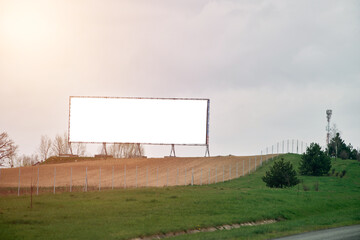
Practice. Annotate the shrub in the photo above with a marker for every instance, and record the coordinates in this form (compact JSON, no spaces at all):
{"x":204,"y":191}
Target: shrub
{"x":316,"y":186}
{"x":314,"y":162}
{"x":306,"y":188}
{"x":343,"y":172}
{"x":333,"y":171}
{"x":281,"y":175}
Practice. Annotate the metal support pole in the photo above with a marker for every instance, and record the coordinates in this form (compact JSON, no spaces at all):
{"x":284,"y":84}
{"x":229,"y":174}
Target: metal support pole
{"x":201,"y":177}
{"x":282,"y":146}
{"x":209,"y":176}
{"x":99,"y":178}
{"x":230,"y":171}
{"x":177,"y":177}
{"x":243,"y":167}
{"x":272,"y":152}
{"x":223,"y":172}
{"x":37,"y":183}
{"x":112,"y":180}
{"x":277,"y":147}
{"x":70,"y":179}
{"x":192,"y":176}
{"x":297,"y":145}
{"x":255,"y":163}
{"x":172,"y":150}
{"x":261,"y":159}
{"x":124,"y":176}
{"x":292,"y":146}
{"x":237,"y":168}
{"x":167,"y":177}
{"x":157,"y":176}
{"x":147,"y":183}
{"x":86,"y":180}
{"x":54,"y":178}
{"x":185,"y":177}
{"x":249,"y":165}
{"x":19,"y":183}
{"x":136,"y":184}
{"x":216,"y":175}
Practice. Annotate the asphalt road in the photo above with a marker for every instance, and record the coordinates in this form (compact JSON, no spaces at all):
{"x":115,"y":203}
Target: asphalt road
{"x":343,"y":233}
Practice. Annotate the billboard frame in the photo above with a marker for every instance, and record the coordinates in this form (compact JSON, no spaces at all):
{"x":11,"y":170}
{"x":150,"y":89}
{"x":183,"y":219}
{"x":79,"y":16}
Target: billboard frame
{"x":207,"y":153}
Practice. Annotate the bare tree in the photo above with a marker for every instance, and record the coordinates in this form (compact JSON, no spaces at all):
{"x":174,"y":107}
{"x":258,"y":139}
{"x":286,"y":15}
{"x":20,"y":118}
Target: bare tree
{"x":28,"y":160}
{"x":7,"y":148}
{"x":78,"y":148}
{"x":45,"y":147}
{"x":126,"y":150}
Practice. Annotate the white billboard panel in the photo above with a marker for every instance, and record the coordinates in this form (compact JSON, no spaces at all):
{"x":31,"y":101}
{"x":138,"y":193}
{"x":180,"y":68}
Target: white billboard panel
{"x":138,"y":120}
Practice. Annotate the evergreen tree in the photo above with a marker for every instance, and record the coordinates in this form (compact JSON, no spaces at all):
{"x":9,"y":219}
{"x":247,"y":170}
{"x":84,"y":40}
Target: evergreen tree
{"x":314,"y":162}
{"x":281,"y":175}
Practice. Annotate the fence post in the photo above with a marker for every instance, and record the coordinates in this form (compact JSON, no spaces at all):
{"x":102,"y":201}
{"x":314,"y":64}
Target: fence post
{"x":209,"y":176}
{"x":124,"y":176}
{"x":112,"y":180}
{"x":167,"y":177}
{"x":19,"y":183}
{"x":99,"y":178}
{"x":237,"y":175}
{"x":86,"y":180}
{"x":216,"y":175}
{"x":177,"y":177}
{"x":230,"y":171}
{"x":185,"y":177}
{"x":54,"y":178}
{"x":157,"y":173}
{"x":292,"y":143}
{"x":223,"y":172}
{"x":297,"y":145}
{"x":192,"y":176}
{"x":37,"y":184}
{"x":70,"y":179}
{"x":243,"y":167}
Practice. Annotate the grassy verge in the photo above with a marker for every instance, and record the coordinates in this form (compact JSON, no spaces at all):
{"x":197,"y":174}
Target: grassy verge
{"x":122,"y":214}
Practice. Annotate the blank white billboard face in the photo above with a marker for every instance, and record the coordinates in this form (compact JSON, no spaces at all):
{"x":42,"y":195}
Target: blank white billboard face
{"x":138,"y":120}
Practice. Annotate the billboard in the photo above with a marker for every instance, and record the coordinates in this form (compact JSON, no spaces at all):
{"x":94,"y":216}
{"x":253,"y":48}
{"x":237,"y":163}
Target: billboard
{"x":181,"y":121}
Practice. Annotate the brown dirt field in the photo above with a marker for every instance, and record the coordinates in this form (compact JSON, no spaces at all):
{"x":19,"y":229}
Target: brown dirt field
{"x":140,"y":172}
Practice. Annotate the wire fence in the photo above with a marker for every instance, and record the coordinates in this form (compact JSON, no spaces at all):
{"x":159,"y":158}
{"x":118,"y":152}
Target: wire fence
{"x":135,"y":173}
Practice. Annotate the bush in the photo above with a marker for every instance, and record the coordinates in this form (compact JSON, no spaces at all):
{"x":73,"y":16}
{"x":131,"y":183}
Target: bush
{"x":281,"y":175}
{"x":314,"y":162}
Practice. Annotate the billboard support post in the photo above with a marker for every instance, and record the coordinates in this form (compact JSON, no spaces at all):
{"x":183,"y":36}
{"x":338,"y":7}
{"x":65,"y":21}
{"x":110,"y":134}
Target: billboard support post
{"x":207,"y":152}
{"x":172,"y":150}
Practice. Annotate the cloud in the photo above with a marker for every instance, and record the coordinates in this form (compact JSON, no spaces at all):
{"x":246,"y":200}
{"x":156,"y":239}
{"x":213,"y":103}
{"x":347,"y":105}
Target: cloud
{"x":270,"y":68}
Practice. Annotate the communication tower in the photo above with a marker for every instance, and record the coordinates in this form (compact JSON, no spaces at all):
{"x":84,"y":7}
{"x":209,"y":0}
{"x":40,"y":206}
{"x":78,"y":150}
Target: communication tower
{"x":328,"y":117}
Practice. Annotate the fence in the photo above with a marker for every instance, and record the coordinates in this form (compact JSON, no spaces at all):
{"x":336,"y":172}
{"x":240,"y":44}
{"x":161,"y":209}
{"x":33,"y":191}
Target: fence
{"x":134,"y":173}
{"x":129,"y":173}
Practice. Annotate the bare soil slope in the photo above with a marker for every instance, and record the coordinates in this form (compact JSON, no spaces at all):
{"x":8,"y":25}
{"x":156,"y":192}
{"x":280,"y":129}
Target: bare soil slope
{"x":136,"y":172}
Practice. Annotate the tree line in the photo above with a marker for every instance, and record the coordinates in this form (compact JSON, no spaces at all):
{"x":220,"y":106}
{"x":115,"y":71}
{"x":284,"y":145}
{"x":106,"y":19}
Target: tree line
{"x":59,"y":146}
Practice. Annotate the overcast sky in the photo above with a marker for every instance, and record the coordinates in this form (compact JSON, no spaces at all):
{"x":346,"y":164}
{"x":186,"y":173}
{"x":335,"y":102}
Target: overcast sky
{"x":270,"y":68}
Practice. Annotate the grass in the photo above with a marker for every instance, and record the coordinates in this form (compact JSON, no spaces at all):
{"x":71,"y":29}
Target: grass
{"x":123,"y":214}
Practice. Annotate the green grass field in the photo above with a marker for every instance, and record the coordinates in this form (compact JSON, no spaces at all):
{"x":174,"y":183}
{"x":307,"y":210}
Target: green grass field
{"x":124,"y":214}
